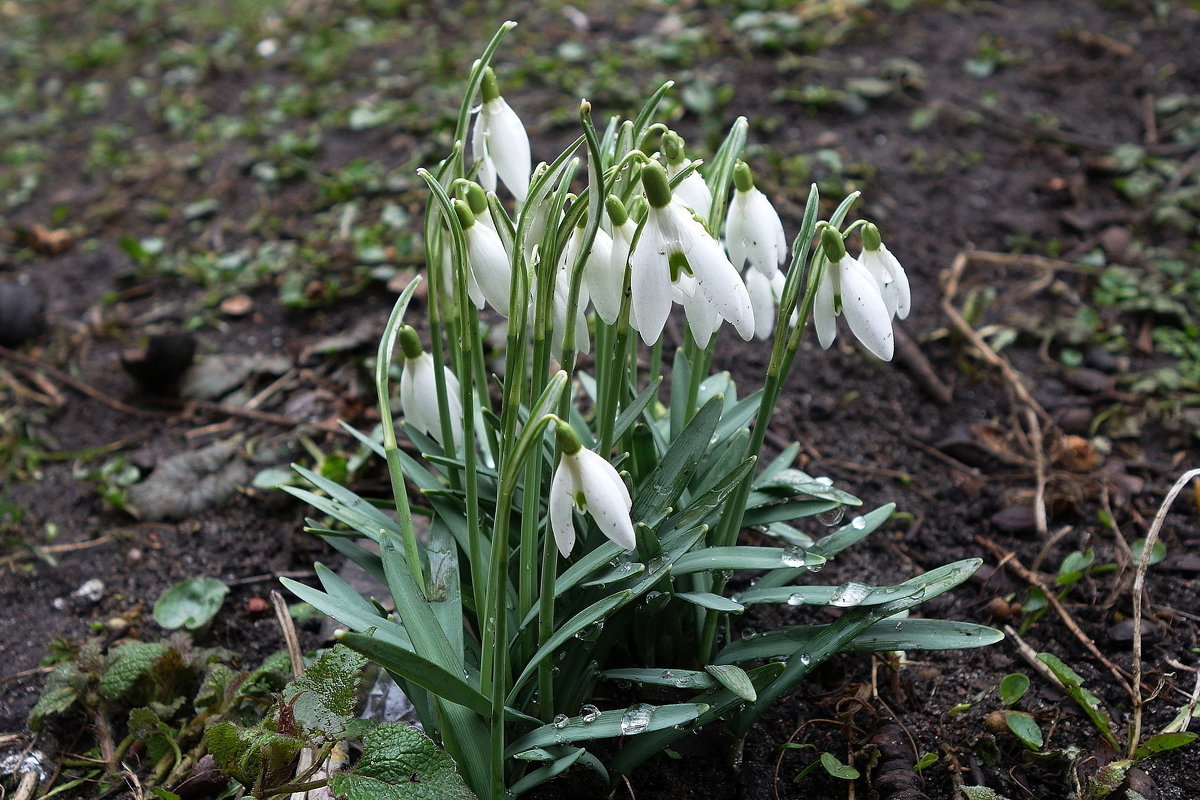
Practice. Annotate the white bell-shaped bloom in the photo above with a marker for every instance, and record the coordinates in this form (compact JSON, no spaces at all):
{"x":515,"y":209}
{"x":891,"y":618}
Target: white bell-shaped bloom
{"x":753,"y":231}
{"x":765,"y":294}
{"x":674,"y":241}
{"x":600,"y":283}
{"x":703,"y":319}
{"x":500,"y":143}
{"x":562,"y":288}
{"x":418,"y":391}
{"x":491,"y":268}
{"x":586,"y":481}
{"x":624,"y":230}
{"x":848,"y":288}
{"x":886,"y":269}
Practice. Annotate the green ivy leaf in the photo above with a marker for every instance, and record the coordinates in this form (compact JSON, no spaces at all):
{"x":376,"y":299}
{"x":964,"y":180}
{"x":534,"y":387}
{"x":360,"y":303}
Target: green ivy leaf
{"x":401,"y":763}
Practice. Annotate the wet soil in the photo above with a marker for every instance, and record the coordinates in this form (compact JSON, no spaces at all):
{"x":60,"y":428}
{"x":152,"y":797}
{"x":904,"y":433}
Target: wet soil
{"x":982,"y":175}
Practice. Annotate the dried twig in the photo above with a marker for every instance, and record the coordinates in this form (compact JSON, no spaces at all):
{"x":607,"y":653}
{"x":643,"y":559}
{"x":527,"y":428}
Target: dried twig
{"x":290,"y":638}
{"x":1139,"y":582}
{"x":76,"y":384}
{"x":1029,"y":655}
{"x":1014,"y":564}
{"x":1039,"y":462}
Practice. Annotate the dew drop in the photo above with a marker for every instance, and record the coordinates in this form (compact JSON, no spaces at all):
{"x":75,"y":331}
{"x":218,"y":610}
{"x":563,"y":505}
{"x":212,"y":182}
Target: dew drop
{"x":795,"y":599}
{"x":831,"y":517}
{"x":636,"y":719}
{"x":824,"y":480}
{"x":590,"y":633}
{"x":561,"y":721}
{"x":793,"y":556}
{"x":805,"y":659}
{"x":817,"y":567}
{"x":589,"y":713}
{"x":749,"y":633}
{"x":899,"y":626}
{"x":849,"y":594}
{"x":858,"y":523}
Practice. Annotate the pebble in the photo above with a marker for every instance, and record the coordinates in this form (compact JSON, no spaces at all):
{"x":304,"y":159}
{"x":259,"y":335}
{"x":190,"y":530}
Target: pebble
{"x":90,"y":591}
{"x":22,"y":315}
{"x":1015,"y":519}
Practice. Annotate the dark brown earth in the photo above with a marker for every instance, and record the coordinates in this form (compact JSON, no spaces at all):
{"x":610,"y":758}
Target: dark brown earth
{"x":978,"y":175}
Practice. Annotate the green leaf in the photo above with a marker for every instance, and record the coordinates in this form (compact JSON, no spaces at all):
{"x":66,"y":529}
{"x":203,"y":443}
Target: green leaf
{"x":924,"y":762}
{"x":606,"y":726}
{"x":590,"y":615}
{"x":1088,"y":702}
{"x":1157,"y":553}
{"x":250,"y":754}
{"x":734,"y":679}
{"x":980,"y":793}
{"x":882,"y":636}
{"x":674,"y":678}
{"x":324,"y":695}
{"x":837,"y":769}
{"x":190,"y":604}
{"x":743,"y":557}
{"x":1013,"y":688}
{"x":794,"y":482}
{"x":1024,"y":728}
{"x":420,"y":671}
{"x":713,"y":601}
{"x":542,"y":774}
{"x":662,"y":487}
{"x":1162,"y":742}
{"x":401,"y":763}
{"x":827,"y":595}
{"x":127,"y":665}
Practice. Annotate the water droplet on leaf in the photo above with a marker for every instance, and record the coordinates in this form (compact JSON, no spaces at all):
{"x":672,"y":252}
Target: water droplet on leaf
{"x":849,"y":594}
{"x":831,"y":517}
{"x":858,"y":523}
{"x":795,"y":599}
{"x":589,"y":713}
{"x":636,"y":719}
{"x":561,"y":721}
{"x":793,"y":556}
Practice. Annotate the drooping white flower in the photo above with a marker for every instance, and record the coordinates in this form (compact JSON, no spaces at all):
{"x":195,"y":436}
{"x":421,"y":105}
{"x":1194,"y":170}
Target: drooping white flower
{"x":599,"y":282}
{"x":703,"y":319}
{"x":847,"y":288}
{"x":499,"y":142}
{"x":488,"y":261}
{"x":765,"y":294}
{"x":562,"y":288}
{"x":624,"y":229}
{"x":584,"y":480}
{"x":886,"y":269}
{"x":753,"y":231}
{"x":674,"y":243}
{"x":692,"y":191}
{"x":418,"y":391}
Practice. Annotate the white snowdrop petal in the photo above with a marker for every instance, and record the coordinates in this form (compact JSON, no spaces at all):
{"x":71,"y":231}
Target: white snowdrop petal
{"x":490,"y":266}
{"x":562,"y":503}
{"x":486,"y":175}
{"x":903,"y":291}
{"x":694,"y":193}
{"x":508,"y":147}
{"x":762,"y":300}
{"x":607,"y":504}
{"x":650,"y":281}
{"x":603,"y":282}
{"x":864,"y":308}
{"x":824,"y":319}
{"x":720,"y":283}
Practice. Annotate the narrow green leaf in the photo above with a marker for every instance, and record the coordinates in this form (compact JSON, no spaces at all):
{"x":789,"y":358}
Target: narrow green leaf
{"x":420,"y":671}
{"x":1162,"y":742}
{"x":590,"y":615}
{"x":827,"y":595}
{"x":882,"y":636}
{"x":542,"y":774}
{"x":714,"y":601}
{"x":610,"y":724}
{"x":743,"y":557}
{"x":674,"y":678}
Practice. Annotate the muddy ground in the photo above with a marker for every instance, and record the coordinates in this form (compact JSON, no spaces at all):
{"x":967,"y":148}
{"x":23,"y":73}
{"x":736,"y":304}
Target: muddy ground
{"x":1046,"y":141}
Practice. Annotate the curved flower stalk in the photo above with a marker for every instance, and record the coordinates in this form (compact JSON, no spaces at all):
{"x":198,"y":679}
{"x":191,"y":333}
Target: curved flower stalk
{"x":499,"y":142}
{"x":753,"y":230}
{"x":488,"y":261}
{"x":765,"y":294}
{"x":848,"y":288}
{"x":692,"y":191}
{"x":883,"y":266}
{"x":586,"y":481}
{"x":674,"y":243}
{"x":562,"y":288}
{"x":418,"y":391}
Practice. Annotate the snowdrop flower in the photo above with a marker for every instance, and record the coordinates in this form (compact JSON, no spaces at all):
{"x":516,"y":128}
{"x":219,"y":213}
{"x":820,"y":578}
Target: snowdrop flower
{"x":692,"y":191}
{"x":674,"y":243}
{"x":487,"y":259}
{"x":599,"y":282}
{"x":883,"y":266}
{"x":624,"y":229}
{"x":418,"y":390}
{"x":586,"y":481}
{"x":753,"y":231}
{"x":562,"y":288}
{"x":500,"y":143}
{"x":847,"y":288}
{"x":765,"y":294}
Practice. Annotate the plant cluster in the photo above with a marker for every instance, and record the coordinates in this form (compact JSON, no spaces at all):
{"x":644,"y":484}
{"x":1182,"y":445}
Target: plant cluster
{"x":583,"y":528}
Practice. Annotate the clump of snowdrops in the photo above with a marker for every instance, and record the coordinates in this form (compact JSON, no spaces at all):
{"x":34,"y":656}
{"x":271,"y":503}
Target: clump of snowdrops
{"x":579,"y":527}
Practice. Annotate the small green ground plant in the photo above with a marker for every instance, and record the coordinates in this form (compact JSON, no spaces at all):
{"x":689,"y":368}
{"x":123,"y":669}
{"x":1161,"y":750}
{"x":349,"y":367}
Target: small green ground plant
{"x":582,"y":527}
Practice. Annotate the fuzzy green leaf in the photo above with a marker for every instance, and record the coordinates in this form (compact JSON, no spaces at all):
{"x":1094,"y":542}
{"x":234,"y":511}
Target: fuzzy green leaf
{"x":401,"y":763}
{"x":127,"y":665}
{"x":324,"y":696}
{"x":248,"y":754}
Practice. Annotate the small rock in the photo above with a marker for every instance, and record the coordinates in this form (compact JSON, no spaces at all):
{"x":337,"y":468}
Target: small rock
{"x":1116,"y":241}
{"x":256,"y":606}
{"x":168,"y":356}
{"x":90,"y":591}
{"x":1101,"y":359}
{"x":1122,"y":632}
{"x":1089,"y":380}
{"x":237,"y":306}
{"x":1076,"y":419}
{"x":1015,"y":519}
{"x":1077,"y":455}
{"x":22,"y":315}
